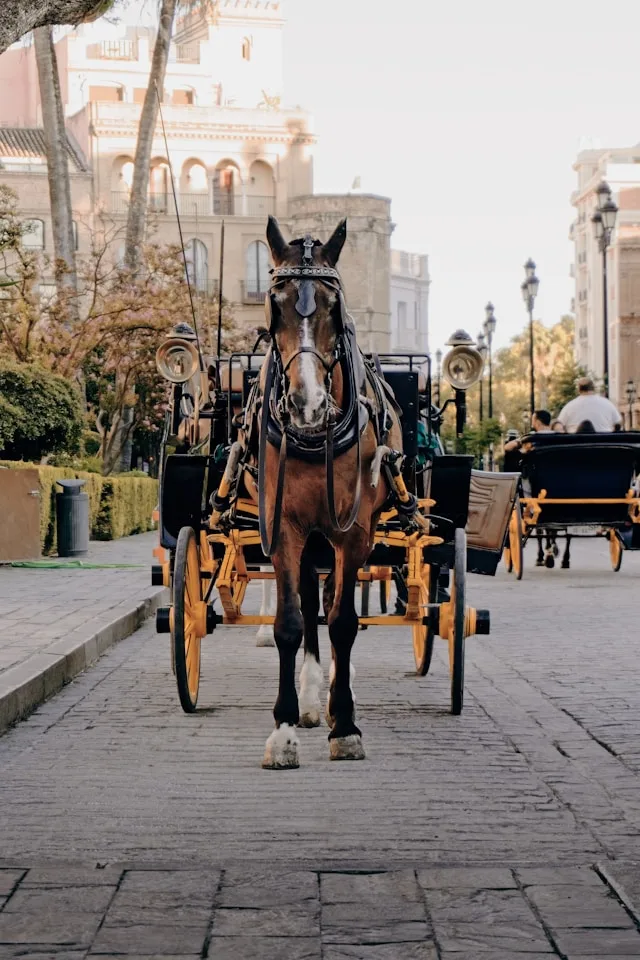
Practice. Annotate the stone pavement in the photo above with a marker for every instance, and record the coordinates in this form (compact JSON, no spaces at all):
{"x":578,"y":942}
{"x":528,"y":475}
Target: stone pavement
{"x":511,"y":830}
{"x":56,"y":621}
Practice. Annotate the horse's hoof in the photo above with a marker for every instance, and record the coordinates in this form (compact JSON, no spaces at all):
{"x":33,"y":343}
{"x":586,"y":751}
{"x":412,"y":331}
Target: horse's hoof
{"x":310,"y":718}
{"x":566,"y":565}
{"x":346,"y":748}
{"x":549,"y":561}
{"x":281,"y":749}
{"x":539,"y":562}
{"x":264,"y":637}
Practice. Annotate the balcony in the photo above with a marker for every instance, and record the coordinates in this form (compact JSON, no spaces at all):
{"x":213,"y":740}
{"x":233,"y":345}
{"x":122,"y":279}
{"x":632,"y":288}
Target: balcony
{"x":184,"y":53}
{"x":113,"y":50}
{"x":192,"y":204}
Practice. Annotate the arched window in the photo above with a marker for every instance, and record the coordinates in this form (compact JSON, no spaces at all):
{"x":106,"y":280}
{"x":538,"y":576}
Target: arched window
{"x":225,"y":179}
{"x":197,"y":257}
{"x":159,"y":186}
{"x":33,"y":234}
{"x":257,"y":271}
{"x":246,"y":48}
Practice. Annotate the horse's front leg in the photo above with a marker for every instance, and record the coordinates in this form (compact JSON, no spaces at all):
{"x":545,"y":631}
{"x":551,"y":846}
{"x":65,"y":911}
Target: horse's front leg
{"x":566,"y":557}
{"x":311,"y":674}
{"x":282,"y":747}
{"x":345,"y":739}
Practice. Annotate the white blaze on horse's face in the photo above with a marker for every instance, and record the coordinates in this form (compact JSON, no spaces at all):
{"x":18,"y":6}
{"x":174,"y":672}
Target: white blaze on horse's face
{"x":313,"y":392}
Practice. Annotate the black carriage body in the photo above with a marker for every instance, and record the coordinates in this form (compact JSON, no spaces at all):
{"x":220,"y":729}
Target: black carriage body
{"x":581,"y":468}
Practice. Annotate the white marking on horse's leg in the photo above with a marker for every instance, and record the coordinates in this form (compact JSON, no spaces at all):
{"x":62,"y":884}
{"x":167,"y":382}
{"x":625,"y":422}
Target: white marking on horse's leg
{"x":281,"y":749}
{"x":311,"y":678}
{"x":346,"y":748}
{"x":265,"y":636}
{"x":352,"y":677}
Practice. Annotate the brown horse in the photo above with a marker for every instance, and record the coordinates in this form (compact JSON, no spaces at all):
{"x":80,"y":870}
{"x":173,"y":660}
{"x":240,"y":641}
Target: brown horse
{"x":307,"y":385}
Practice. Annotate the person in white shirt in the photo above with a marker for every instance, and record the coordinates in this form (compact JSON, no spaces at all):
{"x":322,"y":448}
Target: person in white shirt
{"x":589,"y":405}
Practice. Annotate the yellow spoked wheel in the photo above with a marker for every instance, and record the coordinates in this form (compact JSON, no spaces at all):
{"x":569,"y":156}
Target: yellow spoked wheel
{"x":188,"y":624}
{"x":457,"y":621}
{"x":423,"y":637}
{"x":515,"y":541}
{"x":615,"y":550}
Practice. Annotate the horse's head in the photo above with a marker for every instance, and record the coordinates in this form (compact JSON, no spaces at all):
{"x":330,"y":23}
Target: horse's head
{"x":306,"y":316}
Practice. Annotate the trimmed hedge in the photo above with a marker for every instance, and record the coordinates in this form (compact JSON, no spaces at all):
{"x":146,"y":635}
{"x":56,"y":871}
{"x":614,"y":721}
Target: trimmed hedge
{"x":118,"y":506}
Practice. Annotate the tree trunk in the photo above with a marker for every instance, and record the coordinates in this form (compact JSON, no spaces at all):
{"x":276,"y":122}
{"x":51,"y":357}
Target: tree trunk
{"x":18,"y":17}
{"x":136,"y":220}
{"x":55,"y":137}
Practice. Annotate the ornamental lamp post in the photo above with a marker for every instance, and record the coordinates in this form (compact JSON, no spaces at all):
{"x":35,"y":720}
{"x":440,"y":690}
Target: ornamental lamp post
{"x":529,"y":290}
{"x":489,"y":327}
{"x":438,"y":375}
{"x":482,"y":350}
{"x":604,"y":220}
{"x":632,"y":393}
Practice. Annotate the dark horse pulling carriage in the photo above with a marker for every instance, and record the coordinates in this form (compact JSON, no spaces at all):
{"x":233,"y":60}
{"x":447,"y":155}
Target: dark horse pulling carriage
{"x":577,"y":485}
{"x":307,"y":459}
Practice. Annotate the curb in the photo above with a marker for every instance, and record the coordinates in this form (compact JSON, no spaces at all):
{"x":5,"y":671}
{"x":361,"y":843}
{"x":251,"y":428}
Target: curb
{"x":25,"y":687}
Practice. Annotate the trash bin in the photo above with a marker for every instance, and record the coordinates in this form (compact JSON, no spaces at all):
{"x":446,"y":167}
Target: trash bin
{"x":72,"y":514}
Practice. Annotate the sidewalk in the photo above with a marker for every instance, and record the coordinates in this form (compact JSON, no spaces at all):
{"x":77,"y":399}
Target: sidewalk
{"x":55,"y":622}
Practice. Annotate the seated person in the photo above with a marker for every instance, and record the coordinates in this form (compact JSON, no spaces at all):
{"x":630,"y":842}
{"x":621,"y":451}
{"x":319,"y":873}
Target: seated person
{"x":557,"y":426}
{"x":540,"y":423}
{"x":589,"y":405}
{"x":585,"y":427}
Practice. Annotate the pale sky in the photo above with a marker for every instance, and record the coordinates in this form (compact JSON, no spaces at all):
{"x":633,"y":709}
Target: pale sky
{"x":469,"y":115}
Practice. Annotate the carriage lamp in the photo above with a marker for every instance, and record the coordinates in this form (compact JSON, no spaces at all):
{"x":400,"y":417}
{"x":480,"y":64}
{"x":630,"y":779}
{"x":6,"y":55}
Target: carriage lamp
{"x":603,"y":221}
{"x":632,"y":393}
{"x":462,"y":367}
{"x":177,"y":360}
{"x":529,"y":289}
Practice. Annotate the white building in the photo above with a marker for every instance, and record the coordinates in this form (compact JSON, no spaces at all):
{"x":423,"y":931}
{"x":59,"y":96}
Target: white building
{"x":620,"y":168}
{"x":409,"y":301}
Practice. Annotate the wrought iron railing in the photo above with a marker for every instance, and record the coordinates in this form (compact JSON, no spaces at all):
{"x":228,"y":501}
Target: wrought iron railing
{"x":113,"y":50}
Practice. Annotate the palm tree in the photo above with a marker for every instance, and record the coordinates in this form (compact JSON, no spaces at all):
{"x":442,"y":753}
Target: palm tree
{"x":55,"y":138}
{"x":137,"y":215}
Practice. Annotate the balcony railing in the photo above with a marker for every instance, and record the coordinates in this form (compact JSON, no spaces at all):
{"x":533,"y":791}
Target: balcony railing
{"x":252,"y":296}
{"x":113,"y":50}
{"x":200,"y":204}
{"x":185,"y":53}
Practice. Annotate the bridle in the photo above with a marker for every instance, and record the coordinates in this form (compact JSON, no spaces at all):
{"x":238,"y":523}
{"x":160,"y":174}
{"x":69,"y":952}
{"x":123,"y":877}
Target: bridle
{"x":307,"y":273}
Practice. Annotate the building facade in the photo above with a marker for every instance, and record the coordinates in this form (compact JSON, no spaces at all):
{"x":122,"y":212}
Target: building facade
{"x":409,"y":291}
{"x":621,"y":170}
{"x":236,"y":153}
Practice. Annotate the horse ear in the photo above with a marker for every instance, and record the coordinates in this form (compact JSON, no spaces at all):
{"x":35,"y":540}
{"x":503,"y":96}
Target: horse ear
{"x":333,"y":247}
{"x":277,"y":242}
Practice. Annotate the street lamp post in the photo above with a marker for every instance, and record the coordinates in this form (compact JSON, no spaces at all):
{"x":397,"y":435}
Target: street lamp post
{"x":489,"y":327}
{"x":604,"y":220}
{"x":632,"y":393}
{"x":482,"y":350}
{"x":529,"y":290}
{"x":438,"y":375}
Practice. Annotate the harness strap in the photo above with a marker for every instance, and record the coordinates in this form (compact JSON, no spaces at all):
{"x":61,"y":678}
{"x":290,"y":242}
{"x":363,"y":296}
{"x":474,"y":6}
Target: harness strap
{"x":269,"y":542}
{"x":331,"y":499}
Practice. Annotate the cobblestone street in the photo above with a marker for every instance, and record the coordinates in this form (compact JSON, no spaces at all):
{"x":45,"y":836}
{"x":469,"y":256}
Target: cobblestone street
{"x":129,"y":828}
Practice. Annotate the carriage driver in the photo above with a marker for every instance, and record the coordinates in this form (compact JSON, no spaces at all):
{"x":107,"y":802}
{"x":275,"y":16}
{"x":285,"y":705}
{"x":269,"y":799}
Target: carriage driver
{"x":589,"y":405}
{"x":540,"y":423}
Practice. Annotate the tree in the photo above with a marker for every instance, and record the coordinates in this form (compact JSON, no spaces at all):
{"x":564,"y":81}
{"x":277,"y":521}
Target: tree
{"x":121,"y":321}
{"x":55,"y":137}
{"x":136,"y":218}
{"x":18,"y":17}
{"x":40,"y":412}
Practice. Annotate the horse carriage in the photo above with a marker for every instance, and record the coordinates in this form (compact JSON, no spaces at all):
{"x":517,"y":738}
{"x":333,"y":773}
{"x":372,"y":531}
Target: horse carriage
{"x":303,"y":464}
{"x":574,"y":486}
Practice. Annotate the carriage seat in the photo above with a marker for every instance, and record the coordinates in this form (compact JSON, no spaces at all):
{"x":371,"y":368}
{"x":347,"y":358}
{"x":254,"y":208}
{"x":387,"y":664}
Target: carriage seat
{"x":583,"y":467}
{"x":491,"y":500}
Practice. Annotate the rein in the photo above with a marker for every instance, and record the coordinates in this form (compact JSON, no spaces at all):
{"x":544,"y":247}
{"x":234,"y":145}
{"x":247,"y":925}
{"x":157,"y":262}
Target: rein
{"x":269,"y":541}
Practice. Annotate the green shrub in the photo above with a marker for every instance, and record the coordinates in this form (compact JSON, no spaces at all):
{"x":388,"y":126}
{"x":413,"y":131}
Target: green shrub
{"x":92,"y":443}
{"x":118,"y":506}
{"x":46,"y":415}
